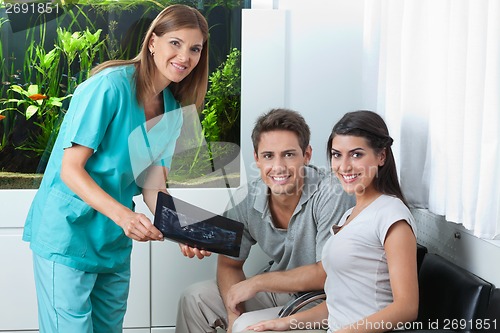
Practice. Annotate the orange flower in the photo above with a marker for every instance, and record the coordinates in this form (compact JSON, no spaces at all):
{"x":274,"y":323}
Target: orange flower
{"x":36,"y":97}
{"x":2,"y":117}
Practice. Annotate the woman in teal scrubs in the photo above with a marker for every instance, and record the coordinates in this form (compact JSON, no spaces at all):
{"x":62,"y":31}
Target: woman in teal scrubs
{"x":82,"y":221}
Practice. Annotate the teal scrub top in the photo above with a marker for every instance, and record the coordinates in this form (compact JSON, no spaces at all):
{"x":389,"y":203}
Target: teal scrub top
{"x":103,"y":115}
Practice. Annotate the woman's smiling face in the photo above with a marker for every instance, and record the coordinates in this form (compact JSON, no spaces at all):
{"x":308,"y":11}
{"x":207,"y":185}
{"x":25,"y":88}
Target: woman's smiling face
{"x":355,"y":163}
{"x":176,"y":54}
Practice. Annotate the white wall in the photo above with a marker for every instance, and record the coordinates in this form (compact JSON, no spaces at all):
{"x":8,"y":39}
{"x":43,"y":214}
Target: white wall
{"x":302,"y":55}
{"x":460,"y":246}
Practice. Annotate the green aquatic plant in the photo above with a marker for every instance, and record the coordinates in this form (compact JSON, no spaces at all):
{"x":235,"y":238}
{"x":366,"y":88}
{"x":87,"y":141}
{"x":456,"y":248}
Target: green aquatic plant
{"x":32,"y":101}
{"x":46,"y":111}
{"x":83,"y":45}
{"x":36,"y":85}
{"x":222,"y":108}
{"x":42,"y":103}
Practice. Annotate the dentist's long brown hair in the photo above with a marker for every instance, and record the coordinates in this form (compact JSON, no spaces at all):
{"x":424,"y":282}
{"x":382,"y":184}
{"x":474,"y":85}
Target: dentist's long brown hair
{"x":192,"y":89}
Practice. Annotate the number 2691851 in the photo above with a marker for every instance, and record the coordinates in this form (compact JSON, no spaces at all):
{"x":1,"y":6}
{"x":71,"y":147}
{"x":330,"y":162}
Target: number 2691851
{"x":31,"y":8}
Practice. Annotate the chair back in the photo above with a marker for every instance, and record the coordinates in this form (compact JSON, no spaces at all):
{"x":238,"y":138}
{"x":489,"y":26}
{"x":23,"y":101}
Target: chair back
{"x":492,"y":321}
{"x":450,"y":296}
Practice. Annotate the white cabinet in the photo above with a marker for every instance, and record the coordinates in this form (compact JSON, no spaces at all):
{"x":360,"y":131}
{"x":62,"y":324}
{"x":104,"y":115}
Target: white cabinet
{"x":163,"y":330}
{"x":18,"y":308}
{"x":139,"y":299}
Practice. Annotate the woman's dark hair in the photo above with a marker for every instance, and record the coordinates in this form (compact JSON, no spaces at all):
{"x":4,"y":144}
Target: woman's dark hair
{"x":369,"y":125}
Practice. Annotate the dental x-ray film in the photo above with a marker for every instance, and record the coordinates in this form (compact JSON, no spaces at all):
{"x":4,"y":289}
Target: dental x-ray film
{"x":185,"y":223}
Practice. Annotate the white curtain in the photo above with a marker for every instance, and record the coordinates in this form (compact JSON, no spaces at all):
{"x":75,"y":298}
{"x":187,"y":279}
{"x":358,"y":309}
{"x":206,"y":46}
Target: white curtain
{"x":432,"y":67}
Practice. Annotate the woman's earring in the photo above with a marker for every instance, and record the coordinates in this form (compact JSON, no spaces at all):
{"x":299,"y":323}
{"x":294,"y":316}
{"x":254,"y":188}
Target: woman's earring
{"x":152,"y":53}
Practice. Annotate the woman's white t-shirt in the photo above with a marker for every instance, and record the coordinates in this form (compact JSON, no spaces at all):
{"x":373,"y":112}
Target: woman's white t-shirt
{"x":357,"y":283}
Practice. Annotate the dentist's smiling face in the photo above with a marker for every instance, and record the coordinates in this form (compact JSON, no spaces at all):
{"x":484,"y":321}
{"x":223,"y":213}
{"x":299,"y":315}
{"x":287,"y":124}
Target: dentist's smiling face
{"x":355,"y":163}
{"x":176,"y":54}
{"x":281,"y":162}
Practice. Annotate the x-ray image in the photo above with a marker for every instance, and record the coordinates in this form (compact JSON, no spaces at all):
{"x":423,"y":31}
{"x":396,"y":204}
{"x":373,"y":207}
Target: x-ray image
{"x":185,"y":223}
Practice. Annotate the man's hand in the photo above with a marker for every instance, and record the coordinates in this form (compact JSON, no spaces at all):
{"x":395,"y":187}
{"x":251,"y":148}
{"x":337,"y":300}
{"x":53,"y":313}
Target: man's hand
{"x":191,"y":252}
{"x":239,"y":293}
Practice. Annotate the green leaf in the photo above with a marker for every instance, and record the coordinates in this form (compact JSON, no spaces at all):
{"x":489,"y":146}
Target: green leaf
{"x":19,"y":90}
{"x":92,"y":38}
{"x":32,"y":89}
{"x":30,"y":111}
{"x":12,"y":100}
{"x":48,"y":59}
{"x":54,"y":102}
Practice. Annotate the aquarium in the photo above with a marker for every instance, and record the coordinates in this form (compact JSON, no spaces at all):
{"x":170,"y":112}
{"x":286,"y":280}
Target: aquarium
{"x":47,"y":48}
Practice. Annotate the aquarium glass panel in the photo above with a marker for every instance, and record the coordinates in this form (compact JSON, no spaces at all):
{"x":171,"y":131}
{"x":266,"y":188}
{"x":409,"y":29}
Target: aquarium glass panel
{"x":47,"y":48}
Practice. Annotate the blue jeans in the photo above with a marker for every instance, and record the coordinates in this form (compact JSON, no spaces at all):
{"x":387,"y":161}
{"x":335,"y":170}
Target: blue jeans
{"x":70,"y":300}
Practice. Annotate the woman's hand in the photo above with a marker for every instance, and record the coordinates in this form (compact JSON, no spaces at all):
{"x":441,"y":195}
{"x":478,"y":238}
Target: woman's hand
{"x":281,"y":324}
{"x":139,"y":227}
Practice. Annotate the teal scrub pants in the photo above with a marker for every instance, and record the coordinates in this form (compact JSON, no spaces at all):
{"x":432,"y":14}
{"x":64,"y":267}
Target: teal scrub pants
{"x":70,"y":300}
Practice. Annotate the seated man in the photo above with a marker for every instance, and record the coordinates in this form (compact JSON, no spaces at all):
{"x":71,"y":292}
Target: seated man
{"x":288,"y":211}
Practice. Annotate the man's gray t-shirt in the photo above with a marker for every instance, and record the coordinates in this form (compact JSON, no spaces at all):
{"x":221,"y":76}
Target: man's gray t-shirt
{"x":322,"y":204}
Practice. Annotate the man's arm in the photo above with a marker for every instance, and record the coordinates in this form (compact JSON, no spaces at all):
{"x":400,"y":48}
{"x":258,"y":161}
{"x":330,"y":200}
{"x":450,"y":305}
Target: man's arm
{"x":303,"y":278}
{"x":229,"y":273}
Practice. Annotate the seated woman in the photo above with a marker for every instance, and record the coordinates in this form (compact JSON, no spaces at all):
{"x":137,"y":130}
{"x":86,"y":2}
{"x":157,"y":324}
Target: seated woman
{"x":369,"y":260}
